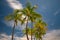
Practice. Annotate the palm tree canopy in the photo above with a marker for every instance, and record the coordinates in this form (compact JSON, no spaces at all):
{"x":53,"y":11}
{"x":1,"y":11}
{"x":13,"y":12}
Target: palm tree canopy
{"x":40,"y":28}
{"x":29,"y":11}
{"x":14,"y":16}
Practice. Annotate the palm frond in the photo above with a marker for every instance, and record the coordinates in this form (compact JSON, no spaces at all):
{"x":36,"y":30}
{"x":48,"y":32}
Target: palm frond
{"x":36,"y":15}
{"x":9,"y":17}
{"x":16,"y":11}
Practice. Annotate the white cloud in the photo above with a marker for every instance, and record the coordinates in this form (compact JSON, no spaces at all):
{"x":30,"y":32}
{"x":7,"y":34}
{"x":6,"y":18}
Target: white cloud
{"x":18,"y":27}
{"x":52,"y":35}
{"x":6,"y":37}
{"x":15,"y":4}
{"x":9,"y":23}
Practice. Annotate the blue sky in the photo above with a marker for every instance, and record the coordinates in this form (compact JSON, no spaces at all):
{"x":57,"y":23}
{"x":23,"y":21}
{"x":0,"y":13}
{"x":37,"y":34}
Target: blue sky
{"x":49,"y":9}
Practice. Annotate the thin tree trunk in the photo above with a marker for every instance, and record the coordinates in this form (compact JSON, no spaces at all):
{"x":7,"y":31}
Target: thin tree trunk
{"x":27,"y":30}
{"x":39,"y":38}
{"x":31,"y":33}
{"x":31,"y":30}
{"x":13,"y":32}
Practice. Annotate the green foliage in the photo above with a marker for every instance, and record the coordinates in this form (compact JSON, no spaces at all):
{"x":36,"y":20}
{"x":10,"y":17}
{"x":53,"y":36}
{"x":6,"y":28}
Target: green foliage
{"x":14,"y":16}
{"x":39,"y":28}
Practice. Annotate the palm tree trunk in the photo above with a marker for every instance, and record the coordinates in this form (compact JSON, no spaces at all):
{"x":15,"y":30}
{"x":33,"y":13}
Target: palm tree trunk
{"x":27,"y":30}
{"x":13,"y":32}
{"x":31,"y":34}
{"x":31,"y":30}
{"x":39,"y":38}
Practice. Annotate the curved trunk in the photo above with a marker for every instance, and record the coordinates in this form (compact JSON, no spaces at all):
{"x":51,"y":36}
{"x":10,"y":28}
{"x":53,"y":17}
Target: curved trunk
{"x":39,"y":38}
{"x":31,"y":30}
{"x":27,"y":30}
{"x":13,"y":32}
{"x":31,"y":34}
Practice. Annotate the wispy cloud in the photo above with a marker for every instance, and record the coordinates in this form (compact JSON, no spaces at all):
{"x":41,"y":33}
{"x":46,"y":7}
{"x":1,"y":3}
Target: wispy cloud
{"x":52,"y":35}
{"x":18,"y":27}
{"x":52,"y":24}
{"x":57,"y":12}
{"x":15,"y":4}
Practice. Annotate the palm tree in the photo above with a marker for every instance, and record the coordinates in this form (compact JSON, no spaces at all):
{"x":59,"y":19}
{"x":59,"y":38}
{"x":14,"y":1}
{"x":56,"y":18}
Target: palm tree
{"x":40,"y":29}
{"x":15,"y":17}
{"x":31,"y":15}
